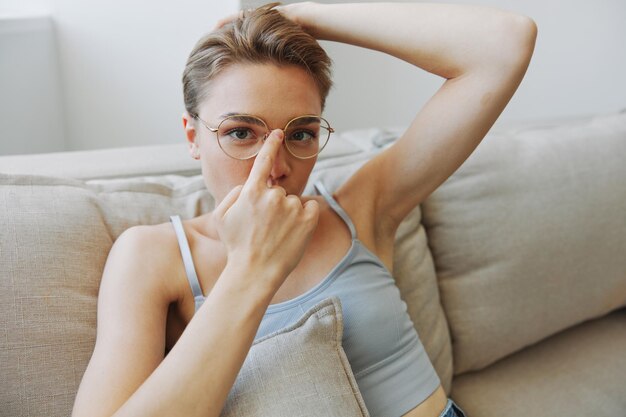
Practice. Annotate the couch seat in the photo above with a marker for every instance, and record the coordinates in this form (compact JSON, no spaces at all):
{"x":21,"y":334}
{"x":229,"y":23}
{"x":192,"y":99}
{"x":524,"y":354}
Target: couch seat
{"x":588,"y":359}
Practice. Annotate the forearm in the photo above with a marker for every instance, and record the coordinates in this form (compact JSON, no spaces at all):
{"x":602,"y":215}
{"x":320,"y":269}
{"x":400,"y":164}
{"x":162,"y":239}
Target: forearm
{"x":198,"y":373}
{"x":445,"y":39}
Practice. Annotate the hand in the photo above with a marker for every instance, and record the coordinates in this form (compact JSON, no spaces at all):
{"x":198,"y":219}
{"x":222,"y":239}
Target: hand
{"x":292,"y":12}
{"x":264,"y":229}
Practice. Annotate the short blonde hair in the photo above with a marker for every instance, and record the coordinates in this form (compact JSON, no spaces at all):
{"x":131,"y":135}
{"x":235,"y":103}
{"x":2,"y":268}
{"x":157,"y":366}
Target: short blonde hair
{"x":258,"y":36}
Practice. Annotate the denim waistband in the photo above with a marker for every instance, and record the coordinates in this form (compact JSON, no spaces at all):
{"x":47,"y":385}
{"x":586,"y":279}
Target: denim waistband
{"x":452,"y":410}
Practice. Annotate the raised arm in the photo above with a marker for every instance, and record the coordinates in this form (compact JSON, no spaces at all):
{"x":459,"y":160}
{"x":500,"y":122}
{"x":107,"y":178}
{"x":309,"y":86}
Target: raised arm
{"x":265,"y":233}
{"x":482,"y":52}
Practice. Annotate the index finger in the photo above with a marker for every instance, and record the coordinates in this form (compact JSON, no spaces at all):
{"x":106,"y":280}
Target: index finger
{"x":265,"y":160}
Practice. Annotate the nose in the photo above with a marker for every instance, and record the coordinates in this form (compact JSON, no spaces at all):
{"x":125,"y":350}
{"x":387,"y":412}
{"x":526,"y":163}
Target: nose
{"x":281,"y":166}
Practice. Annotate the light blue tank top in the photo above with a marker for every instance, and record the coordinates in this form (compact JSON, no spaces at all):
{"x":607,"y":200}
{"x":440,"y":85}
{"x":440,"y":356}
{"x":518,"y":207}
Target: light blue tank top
{"x":390,"y":365}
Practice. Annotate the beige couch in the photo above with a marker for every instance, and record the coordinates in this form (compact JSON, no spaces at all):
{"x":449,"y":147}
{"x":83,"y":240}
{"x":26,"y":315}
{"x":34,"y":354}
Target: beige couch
{"x":514,"y":270}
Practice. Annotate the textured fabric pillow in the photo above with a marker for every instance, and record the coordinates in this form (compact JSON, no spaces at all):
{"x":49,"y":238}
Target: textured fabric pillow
{"x":300,"y":370}
{"x":55,"y":235}
{"x":528,"y":236}
{"x":413,"y":266}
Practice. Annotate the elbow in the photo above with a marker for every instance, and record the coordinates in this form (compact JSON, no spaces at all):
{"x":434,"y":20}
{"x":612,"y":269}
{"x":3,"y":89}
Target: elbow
{"x":513,"y":47}
{"x":509,"y":46}
{"x":530,"y":30}
{"x":523,"y":35}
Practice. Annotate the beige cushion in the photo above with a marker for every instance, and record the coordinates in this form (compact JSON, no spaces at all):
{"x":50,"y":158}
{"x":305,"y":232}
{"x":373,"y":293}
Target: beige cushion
{"x":413,"y":267}
{"x":577,"y":373}
{"x":528,"y":236}
{"x":55,"y":235}
{"x":301,"y":369}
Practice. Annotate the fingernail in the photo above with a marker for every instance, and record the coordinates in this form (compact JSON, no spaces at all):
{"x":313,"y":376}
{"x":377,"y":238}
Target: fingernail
{"x":279,"y":133}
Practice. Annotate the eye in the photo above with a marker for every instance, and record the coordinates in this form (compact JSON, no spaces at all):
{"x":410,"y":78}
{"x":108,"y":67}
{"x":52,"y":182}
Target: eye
{"x":241,"y":133}
{"x":302,"y":136}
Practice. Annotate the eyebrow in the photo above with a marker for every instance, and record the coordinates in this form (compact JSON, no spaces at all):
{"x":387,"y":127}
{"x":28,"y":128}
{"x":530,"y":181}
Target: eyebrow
{"x":299,"y":121}
{"x":304,"y":120}
{"x":230,"y":114}
{"x":244,"y":118}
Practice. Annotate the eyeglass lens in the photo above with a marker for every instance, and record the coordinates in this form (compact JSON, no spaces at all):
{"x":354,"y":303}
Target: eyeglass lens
{"x":242,"y":136}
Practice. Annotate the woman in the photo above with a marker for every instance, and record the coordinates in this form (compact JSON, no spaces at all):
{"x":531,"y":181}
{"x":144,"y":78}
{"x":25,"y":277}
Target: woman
{"x":254,"y":94}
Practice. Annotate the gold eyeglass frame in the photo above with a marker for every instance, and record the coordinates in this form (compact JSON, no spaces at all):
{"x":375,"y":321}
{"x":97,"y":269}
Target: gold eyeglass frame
{"x":216,"y":129}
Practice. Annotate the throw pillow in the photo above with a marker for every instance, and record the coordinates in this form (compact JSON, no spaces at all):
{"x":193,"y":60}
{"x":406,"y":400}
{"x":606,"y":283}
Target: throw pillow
{"x":300,"y":370}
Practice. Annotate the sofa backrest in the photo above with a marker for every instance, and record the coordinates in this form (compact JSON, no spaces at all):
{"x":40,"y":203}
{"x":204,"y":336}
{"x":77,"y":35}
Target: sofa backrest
{"x":529,"y":235}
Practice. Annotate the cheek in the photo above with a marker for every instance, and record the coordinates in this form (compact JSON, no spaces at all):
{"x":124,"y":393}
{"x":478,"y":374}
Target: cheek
{"x":221,"y":174}
{"x":304,"y":172}
{"x":310,"y":165}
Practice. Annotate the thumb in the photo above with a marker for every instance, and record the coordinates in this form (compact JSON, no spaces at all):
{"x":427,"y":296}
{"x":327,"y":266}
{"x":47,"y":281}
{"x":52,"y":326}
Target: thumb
{"x":227,"y":202}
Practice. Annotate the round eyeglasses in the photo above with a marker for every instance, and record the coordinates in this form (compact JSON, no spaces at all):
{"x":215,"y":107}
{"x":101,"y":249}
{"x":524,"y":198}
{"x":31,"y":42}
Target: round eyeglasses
{"x":241,"y":136}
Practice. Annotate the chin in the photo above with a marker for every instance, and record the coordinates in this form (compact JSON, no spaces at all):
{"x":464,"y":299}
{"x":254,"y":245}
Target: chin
{"x":298,"y":191}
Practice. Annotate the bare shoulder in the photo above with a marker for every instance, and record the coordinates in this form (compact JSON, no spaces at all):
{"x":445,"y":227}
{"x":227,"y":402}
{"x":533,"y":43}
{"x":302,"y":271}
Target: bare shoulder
{"x":142,"y":273}
{"x":147,"y":251}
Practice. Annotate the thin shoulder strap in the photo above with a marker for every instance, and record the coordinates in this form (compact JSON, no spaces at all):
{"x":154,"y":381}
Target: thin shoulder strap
{"x":335,"y":206}
{"x":188,"y":260}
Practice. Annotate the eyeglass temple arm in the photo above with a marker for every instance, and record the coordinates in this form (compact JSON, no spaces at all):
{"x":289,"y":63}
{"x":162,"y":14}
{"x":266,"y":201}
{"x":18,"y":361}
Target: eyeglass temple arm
{"x":196,"y":116}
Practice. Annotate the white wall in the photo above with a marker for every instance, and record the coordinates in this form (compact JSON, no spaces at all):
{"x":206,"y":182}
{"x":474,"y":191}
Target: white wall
{"x":121,"y":63}
{"x":577,"y":69}
{"x":31,"y":105}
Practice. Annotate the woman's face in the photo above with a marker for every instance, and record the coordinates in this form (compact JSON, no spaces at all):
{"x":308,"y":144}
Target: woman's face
{"x":274,"y":94}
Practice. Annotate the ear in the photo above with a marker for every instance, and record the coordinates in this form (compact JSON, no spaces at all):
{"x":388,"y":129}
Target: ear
{"x":191,"y":135}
